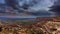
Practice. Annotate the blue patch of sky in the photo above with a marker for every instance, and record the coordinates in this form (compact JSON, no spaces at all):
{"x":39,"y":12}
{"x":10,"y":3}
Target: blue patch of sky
{"x":2,"y":1}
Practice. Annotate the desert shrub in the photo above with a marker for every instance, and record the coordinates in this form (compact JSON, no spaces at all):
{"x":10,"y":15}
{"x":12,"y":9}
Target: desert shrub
{"x":15,"y":31}
{"x":1,"y":29}
{"x":37,"y":32}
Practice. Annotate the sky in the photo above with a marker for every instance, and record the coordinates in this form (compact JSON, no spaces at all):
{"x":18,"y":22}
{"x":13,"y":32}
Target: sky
{"x":39,"y":5}
{"x":1,"y":1}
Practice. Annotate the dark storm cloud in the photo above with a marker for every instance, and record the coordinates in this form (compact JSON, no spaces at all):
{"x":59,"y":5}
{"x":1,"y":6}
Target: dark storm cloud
{"x":56,"y":8}
{"x":12,"y":3}
{"x":57,"y":2}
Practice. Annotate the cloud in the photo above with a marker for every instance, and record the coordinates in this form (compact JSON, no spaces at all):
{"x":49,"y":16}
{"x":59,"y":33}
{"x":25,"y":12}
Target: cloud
{"x":43,"y":4}
{"x":37,"y":5}
{"x":57,"y":2}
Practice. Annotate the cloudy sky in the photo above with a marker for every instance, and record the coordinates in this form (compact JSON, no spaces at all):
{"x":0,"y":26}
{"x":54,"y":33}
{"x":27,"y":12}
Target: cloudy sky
{"x":39,"y":5}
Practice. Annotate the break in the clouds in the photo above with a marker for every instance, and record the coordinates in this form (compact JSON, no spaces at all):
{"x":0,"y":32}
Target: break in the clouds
{"x":2,"y":1}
